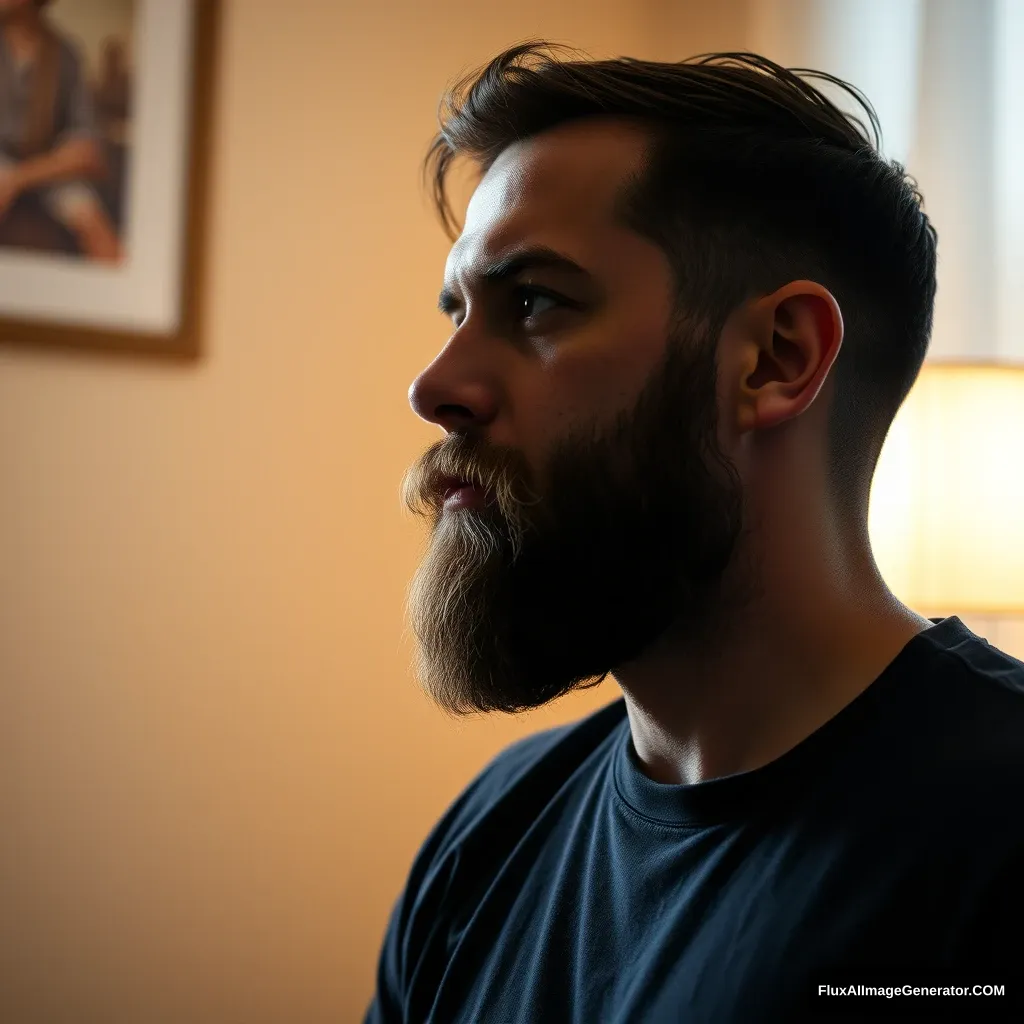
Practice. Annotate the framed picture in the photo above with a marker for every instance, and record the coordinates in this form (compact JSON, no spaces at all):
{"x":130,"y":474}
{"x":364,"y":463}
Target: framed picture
{"x":104,"y":135}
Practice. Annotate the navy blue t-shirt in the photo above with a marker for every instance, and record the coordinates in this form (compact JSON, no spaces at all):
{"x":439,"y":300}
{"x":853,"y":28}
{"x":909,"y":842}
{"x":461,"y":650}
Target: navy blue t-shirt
{"x":564,"y":886}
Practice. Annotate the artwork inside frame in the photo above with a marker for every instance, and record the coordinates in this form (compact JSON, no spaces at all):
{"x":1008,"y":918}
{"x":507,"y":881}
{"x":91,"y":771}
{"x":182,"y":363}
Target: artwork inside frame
{"x":104,"y":138}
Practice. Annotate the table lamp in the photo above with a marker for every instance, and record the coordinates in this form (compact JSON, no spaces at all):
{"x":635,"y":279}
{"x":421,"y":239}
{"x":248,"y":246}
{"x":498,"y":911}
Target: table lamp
{"x":946,"y":517}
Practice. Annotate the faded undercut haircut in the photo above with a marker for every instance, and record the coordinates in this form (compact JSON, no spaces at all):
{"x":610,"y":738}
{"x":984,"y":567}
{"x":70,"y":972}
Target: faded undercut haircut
{"x":752,"y":178}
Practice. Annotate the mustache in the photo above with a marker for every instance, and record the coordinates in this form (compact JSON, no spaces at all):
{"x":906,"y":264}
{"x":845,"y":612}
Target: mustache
{"x":500,"y":473}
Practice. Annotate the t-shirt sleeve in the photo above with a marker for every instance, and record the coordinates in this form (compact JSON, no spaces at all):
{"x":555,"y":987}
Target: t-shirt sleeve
{"x":386,"y":1007}
{"x":77,"y":110}
{"x":401,"y":950}
{"x":411,"y":917}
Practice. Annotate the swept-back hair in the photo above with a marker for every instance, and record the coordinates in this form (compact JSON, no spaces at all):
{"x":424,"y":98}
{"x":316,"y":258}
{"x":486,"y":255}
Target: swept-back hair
{"x":752,"y":178}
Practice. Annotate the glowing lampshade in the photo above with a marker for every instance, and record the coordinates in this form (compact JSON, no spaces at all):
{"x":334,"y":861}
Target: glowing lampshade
{"x":947,"y":504}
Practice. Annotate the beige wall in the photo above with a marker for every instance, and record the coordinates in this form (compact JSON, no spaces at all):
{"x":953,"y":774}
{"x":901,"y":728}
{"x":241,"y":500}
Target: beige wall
{"x":215,"y":765}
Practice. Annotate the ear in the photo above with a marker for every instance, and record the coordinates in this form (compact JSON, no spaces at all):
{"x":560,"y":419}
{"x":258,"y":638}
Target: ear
{"x":794,"y":337}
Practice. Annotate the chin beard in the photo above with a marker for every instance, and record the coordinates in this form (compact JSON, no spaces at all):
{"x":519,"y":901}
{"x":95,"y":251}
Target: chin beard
{"x":510,"y":629}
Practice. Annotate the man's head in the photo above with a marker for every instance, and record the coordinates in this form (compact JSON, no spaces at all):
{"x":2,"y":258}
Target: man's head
{"x":729,"y":222}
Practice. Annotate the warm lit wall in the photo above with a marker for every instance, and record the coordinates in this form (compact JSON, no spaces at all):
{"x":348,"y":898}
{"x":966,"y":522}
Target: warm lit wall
{"x":215,"y":766}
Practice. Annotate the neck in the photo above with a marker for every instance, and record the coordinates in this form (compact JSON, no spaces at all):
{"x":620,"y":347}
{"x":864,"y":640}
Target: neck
{"x":819,"y":627}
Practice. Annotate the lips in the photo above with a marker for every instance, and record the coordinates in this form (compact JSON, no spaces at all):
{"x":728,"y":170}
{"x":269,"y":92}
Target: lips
{"x":448,"y":485}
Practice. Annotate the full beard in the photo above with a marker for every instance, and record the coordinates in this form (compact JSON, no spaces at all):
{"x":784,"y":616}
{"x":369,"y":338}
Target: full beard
{"x":521,"y":602}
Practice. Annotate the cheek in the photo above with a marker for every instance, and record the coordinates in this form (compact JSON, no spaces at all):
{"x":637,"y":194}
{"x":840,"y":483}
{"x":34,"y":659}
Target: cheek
{"x":605,"y":380}
{"x":579,"y":381}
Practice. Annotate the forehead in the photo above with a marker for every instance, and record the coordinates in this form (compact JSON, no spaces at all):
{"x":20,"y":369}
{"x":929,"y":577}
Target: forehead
{"x":558,"y":187}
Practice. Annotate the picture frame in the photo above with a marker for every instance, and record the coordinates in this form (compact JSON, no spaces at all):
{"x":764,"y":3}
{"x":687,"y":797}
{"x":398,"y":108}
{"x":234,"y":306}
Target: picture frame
{"x":112,"y":261}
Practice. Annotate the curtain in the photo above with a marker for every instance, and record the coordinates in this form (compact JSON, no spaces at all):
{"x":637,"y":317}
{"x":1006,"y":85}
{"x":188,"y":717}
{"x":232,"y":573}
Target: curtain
{"x":945,"y":79}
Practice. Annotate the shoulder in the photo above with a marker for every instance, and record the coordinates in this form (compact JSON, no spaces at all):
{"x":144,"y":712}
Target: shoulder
{"x":527,"y":773}
{"x":503,"y":801}
{"x":963,"y":735}
{"x":485,"y":823}
{"x":984,"y":687}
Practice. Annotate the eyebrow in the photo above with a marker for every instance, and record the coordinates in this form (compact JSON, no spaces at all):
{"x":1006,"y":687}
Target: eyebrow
{"x":513,"y":263}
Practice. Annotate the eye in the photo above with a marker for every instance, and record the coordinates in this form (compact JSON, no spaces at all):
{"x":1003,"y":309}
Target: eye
{"x":524,"y":295}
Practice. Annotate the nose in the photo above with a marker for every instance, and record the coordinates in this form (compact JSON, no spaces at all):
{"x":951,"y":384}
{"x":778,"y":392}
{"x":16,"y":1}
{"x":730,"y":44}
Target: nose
{"x":453,"y":404}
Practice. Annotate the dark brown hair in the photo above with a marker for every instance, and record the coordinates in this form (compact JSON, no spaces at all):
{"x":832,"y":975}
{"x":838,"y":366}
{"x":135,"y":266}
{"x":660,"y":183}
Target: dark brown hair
{"x":752,"y":178}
